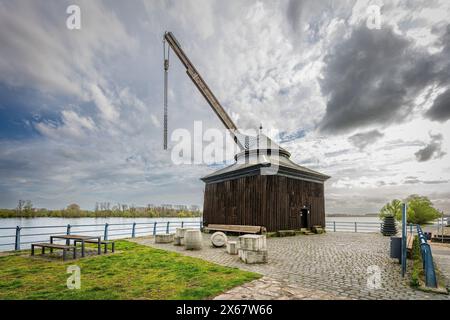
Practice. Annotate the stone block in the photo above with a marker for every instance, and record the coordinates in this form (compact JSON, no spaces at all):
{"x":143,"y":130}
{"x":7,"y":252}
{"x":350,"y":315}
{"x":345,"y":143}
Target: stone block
{"x":232,"y":247}
{"x":177,"y":241}
{"x":164,"y":238}
{"x":253,"y":257}
{"x":252,"y":242}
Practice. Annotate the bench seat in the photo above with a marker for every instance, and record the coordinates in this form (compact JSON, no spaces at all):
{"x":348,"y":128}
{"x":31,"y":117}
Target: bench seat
{"x":52,"y":246}
{"x":235,"y":228}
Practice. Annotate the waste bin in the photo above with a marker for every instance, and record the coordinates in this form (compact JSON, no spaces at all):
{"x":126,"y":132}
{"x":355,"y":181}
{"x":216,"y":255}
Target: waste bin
{"x":427,"y":235}
{"x":396,"y":248}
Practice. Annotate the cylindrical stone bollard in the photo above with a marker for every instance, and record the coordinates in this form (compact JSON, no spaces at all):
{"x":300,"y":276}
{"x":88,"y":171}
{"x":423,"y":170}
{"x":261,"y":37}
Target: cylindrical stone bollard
{"x":193,"y":239}
{"x":179,"y":236}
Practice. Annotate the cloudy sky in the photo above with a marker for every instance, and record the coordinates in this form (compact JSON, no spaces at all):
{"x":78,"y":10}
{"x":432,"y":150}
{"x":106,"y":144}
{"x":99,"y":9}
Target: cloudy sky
{"x":81,"y":110}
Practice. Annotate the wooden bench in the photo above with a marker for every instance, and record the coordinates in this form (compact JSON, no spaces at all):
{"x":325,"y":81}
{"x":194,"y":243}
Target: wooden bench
{"x":52,"y":246}
{"x":409,"y":242}
{"x":103,"y":242}
{"x":409,"y":245}
{"x":235,"y":228}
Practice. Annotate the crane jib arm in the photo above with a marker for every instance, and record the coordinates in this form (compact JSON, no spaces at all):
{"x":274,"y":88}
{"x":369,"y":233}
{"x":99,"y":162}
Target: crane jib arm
{"x":203,"y":87}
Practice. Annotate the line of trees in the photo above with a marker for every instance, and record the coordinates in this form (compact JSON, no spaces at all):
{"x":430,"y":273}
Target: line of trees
{"x":25,"y":209}
{"x":420,"y":210}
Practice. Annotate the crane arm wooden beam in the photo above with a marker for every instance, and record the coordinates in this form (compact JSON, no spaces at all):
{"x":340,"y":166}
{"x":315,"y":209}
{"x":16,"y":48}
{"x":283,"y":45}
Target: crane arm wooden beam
{"x":203,"y":87}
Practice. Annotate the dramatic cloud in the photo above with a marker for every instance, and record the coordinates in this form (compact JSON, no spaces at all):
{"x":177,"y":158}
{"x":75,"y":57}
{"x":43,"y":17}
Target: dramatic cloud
{"x":432,"y":150}
{"x":373,"y":78}
{"x":440,"y":111}
{"x":362,"y":140}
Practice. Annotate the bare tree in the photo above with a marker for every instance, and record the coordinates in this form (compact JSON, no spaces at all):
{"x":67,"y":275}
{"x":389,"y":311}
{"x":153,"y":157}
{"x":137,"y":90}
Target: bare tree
{"x":20,"y":205}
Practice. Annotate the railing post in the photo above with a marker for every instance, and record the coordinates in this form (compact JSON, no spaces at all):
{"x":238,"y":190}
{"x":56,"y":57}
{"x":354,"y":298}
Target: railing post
{"x":105,"y":236}
{"x":17,"y":242}
{"x":334,"y":226}
{"x":133,"y":231}
{"x":356,"y":228}
{"x":68,"y":229}
{"x":154,"y":227}
{"x":167,"y":228}
{"x":182,"y":224}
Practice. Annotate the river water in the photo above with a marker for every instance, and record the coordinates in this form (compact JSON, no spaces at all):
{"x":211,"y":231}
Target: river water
{"x":40,"y":229}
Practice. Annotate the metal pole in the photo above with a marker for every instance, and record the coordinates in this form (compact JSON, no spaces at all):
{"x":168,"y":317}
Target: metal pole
{"x":182,"y":224}
{"x":105,"y":236}
{"x":356,"y":228}
{"x":154,"y":228}
{"x":133,"y":231}
{"x":167,"y":228}
{"x":68,"y":229}
{"x":404,"y":240}
{"x":334,"y":226}
{"x":17,"y":242}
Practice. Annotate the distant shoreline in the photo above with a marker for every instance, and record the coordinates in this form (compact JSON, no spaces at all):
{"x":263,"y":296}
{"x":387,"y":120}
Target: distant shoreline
{"x":64,"y":213}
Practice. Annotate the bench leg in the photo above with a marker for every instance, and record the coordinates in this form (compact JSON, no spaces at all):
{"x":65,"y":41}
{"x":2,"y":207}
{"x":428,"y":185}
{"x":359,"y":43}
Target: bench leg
{"x":64,"y":254}
{"x":106,"y":248}
{"x":82,"y":248}
{"x":99,"y":247}
{"x":112,"y":247}
{"x":75,"y":252}
{"x":43,"y":250}
{"x":32,"y":249}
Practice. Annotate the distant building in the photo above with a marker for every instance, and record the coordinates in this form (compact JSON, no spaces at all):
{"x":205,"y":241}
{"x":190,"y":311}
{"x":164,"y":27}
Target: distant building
{"x":195,"y":208}
{"x":180,"y":207}
{"x":167,"y":206}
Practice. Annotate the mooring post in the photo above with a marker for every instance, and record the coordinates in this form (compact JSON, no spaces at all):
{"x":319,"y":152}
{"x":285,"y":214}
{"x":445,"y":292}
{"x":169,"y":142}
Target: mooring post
{"x":133,"y":231}
{"x":105,"y":236}
{"x":334,"y":226}
{"x":68,"y":232}
{"x":17,"y":242}
{"x":167,"y":228}
{"x":154,"y":228}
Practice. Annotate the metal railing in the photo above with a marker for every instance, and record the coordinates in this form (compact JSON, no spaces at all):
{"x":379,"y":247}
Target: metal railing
{"x":427,"y":260}
{"x":22,"y":237}
{"x":353,"y":226}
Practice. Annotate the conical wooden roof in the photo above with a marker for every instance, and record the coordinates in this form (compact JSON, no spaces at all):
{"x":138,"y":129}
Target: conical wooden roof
{"x":264,"y":157}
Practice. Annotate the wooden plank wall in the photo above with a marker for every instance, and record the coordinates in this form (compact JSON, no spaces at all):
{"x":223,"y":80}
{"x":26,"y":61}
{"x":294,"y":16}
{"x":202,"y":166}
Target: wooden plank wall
{"x":271,"y":201}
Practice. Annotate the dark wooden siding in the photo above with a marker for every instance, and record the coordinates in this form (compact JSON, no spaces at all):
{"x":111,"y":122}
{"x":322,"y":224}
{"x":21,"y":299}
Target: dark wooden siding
{"x":271,"y":201}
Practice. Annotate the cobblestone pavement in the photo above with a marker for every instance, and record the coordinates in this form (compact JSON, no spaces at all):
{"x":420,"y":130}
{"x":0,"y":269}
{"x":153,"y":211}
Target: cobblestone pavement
{"x":326,"y":266}
{"x":268,"y":288}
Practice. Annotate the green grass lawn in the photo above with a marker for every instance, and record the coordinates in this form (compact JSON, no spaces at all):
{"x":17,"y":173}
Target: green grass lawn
{"x":133,"y":272}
